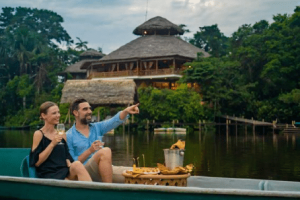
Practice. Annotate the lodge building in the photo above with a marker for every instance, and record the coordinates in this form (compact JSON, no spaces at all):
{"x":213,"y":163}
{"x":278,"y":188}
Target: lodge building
{"x":156,"y":58}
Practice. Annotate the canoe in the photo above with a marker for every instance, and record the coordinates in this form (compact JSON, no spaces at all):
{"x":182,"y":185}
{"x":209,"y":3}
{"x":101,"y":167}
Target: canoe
{"x":12,"y":186}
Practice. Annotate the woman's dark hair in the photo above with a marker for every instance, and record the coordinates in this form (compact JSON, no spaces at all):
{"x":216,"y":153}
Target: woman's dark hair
{"x":45,"y":106}
{"x":75,"y":104}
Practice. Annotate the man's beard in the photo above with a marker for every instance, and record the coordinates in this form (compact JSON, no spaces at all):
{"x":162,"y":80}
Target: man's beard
{"x":85,"y":120}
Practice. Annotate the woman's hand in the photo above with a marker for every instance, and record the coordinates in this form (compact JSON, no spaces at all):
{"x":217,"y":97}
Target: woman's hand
{"x":57,"y":138}
{"x":68,"y":162}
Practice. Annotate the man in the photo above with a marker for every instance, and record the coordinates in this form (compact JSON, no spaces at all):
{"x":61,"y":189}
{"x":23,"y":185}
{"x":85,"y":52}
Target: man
{"x":83,"y":143}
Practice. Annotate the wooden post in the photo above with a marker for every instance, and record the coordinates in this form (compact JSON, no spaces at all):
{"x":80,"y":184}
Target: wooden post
{"x":227,"y":122}
{"x":253,"y":127}
{"x":200,"y":125}
{"x":174,"y":66}
{"x":294,"y":140}
{"x":147,"y":127}
{"x":117,"y":67}
{"x":98,"y":118}
{"x":156,"y":66}
{"x":92,"y":71}
{"x":236,"y":125}
{"x":227,"y":130}
{"x":67,"y":116}
{"x":130,"y":70}
{"x":245,"y":127}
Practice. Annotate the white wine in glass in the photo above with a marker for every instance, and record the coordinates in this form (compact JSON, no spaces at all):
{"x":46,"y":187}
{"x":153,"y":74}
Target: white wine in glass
{"x":61,"y":130}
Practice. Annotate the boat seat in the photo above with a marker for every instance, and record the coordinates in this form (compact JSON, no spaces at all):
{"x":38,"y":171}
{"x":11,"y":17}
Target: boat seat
{"x":26,"y":170}
{"x":225,"y":183}
{"x":271,"y":185}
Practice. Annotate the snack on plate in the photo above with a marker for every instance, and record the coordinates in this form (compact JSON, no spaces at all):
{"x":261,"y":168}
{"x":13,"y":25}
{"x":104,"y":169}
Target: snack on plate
{"x":177,"y":170}
{"x":178,"y":145}
{"x":143,"y":170}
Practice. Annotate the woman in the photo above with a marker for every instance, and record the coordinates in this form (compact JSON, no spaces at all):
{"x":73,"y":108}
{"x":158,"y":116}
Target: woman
{"x":51,"y":159}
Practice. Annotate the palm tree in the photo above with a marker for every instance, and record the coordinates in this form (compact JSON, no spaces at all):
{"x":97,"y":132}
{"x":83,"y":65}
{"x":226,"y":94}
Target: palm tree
{"x":81,"y":45}
{"x":22,"y":42}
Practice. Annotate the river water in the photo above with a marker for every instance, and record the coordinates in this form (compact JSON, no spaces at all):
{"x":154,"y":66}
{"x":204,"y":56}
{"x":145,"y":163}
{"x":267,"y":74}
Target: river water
{"x":213,"y":153}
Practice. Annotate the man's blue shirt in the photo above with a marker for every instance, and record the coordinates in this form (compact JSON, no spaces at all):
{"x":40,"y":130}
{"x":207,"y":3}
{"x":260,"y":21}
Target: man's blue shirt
{"x":78,"y":143}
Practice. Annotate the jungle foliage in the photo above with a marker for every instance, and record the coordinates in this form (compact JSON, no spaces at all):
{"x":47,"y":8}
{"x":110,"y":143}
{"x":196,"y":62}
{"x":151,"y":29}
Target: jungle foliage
{"x":252,"y":73}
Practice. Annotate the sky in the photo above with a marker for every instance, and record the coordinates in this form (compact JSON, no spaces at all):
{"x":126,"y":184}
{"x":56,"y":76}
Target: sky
{"x":109,"y":23}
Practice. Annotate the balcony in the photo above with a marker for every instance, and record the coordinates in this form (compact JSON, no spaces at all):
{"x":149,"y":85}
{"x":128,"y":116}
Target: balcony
{"x":153,"y":72}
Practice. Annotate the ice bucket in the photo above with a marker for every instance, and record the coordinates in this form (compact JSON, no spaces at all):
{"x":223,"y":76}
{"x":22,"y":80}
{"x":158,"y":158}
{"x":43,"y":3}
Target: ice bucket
{"x":173,"y":158}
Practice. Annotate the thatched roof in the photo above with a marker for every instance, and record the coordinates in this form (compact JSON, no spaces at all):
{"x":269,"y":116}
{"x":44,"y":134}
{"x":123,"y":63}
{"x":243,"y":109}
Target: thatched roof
{"x":100,"y":92}
{"x":158,"y":26}
{"x":75,"y":68}
{"x":153,"y":46}
{"x":92,"y":53}
{"x":86,"y":58}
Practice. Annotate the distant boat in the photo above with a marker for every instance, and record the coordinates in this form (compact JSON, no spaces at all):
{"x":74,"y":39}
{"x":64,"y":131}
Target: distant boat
{"x":171,"y":130}
{"x":111,"y":132}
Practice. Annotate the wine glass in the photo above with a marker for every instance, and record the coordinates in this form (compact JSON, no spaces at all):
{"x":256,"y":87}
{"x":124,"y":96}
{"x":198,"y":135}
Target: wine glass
{"x":100,"y":139}
{"x":61,"y":130}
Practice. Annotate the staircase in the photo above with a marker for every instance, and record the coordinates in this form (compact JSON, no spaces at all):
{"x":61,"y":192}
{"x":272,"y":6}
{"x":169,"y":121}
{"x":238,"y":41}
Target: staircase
{"x":288,"y":128}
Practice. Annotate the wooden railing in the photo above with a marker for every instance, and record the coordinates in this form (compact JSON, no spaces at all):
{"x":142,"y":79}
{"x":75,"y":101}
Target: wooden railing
{"x":152,"y":72}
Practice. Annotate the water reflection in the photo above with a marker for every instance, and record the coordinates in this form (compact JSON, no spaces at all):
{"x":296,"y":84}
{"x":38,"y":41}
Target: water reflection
{"x":213,"y":151}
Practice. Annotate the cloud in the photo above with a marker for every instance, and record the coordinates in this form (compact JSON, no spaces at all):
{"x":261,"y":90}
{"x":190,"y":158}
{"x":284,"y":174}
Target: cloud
{"x":109,"y":24}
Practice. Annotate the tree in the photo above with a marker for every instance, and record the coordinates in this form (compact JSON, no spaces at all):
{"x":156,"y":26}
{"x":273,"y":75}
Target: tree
{"x":211,"y":40}
{"x":259,"y":77}
{"x":28,"y":39}
{"x":183,"y":104}
{"x":44,"y":22}
{"x":81,"y":45}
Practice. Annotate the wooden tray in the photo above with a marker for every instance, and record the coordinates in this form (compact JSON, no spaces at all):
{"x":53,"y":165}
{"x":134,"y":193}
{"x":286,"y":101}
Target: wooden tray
{"x":167,"y":180}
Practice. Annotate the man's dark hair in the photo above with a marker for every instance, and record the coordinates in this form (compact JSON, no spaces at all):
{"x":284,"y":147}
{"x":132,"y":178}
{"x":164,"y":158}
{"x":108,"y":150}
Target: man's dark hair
{"x":75,"y":104}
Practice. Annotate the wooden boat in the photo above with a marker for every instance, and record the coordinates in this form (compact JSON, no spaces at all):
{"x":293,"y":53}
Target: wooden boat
{"x":170,"y":130}
{"x":111,"y":132}
{"x":12,"y":186}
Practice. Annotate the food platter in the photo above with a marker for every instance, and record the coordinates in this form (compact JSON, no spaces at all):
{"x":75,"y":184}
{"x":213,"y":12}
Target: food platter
{"x":144,"y":170}
{"x":146,"y":173}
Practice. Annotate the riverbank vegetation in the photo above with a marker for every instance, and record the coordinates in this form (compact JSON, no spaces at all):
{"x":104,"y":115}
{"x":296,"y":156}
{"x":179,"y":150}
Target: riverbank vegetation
{"x":252,"y":73}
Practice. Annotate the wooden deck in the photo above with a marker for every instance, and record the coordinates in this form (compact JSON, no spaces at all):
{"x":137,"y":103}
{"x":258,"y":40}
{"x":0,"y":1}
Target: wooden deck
{"x":153,"y":72}
{"x":248,"y":121}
